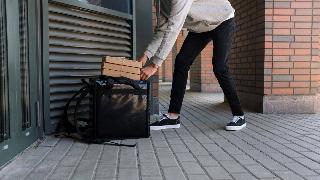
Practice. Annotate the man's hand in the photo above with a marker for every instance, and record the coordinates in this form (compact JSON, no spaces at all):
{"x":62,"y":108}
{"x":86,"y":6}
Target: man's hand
{"x":143,"y":59}
{"x":148,"y":71}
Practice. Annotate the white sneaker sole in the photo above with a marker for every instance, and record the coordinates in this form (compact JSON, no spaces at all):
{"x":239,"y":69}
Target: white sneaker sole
{"x":156,"y":128}
{"x":235,"y":128}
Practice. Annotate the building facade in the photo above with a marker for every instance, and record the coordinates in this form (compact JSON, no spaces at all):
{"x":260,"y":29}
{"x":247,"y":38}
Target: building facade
{"x":47,"y":46}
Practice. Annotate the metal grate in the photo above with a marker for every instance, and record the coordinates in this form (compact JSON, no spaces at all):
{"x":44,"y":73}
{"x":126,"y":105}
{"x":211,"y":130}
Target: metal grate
{"x":4,"y":120}
{"x":24,"y":63}
{"x":78,"y":39}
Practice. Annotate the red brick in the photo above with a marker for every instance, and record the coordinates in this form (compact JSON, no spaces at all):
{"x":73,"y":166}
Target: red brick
{"x":301,"y":77}
{"x":298,"y":5}
{"x":280,"y":84}
{"x":282,"y":64}
{"x":301,"y":90}
{"x":282,"y":91}
{"x":299,"y":71}
{"x":301,"y":64}
{"x":280,"y":71}
{"x":300,"y":84}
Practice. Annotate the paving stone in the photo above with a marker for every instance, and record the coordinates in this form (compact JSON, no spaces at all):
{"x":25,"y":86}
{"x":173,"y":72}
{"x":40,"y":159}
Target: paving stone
{"x":148,"y":157}
{"x":271,"y":147}
{"x":69,"y":161}
{"x":106,"y":171}
{"x":221,"y":156}
{"x":233,"y":167}
{"x":150,"y":170}
{"x":192,"y":168}
{"x":61,"y":173}
{"x":313,"y":177}
{"x":152,"y":178}
{"x":309,"y":163}
{"x":128,"y":158}
{"x":198,"y":177}
{"x":179,"y":148}
{"x":288,"y":175}
{"x":244,"y":160}
{"x":167,"y":161}
{"x":243,"y":176}
{"x":260,"y":171}
{"x":207,"y":161}
{"x":312,"y":155}
{"x":300,"y":169}
{"x":280,"y":157}
{"x":176,"y":141}
{"x":217,"y":172}
{"x":173,"y":173}
{"x":45,"y":166}
{"x":128,"y":174}
{"x":32,"y":176}
{"x":185,"y":157}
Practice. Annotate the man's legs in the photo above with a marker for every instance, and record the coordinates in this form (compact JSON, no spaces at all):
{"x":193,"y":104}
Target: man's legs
{"x":222,"y":39}
{"x":192,"y":46}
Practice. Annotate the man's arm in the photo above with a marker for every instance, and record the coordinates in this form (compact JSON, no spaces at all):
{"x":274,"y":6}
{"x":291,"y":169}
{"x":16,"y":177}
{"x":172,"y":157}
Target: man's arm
{"x":168,"y":31}
{"x":165,"y":36}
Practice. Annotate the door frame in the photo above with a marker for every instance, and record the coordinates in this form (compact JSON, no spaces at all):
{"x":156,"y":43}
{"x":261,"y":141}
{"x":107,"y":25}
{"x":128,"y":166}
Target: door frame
{"x":20,"y":139}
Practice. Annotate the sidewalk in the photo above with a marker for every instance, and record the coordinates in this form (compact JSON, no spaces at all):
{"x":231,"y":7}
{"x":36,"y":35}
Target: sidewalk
{"x":270,"y":147}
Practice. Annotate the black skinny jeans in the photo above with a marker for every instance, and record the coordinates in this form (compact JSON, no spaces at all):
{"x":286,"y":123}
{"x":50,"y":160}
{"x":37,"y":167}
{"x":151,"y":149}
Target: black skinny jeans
{"x":194,"y":43}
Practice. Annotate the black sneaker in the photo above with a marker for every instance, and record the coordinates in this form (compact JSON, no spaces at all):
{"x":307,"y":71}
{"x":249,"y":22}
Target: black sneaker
{"x":165,"y":123}
{"x":236,"y":124}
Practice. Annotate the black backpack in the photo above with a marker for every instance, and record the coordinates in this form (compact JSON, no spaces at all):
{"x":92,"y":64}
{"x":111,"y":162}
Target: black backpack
{"x":116,"y":108}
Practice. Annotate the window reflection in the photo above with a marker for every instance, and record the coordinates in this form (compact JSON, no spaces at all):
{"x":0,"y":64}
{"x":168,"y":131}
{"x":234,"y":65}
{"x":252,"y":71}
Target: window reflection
{"x":4,"y":120}
{"x":24,"y":63}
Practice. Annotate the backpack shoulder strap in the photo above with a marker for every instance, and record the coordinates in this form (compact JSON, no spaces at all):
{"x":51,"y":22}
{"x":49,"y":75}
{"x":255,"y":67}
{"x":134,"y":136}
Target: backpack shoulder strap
{"x":67,"y":125}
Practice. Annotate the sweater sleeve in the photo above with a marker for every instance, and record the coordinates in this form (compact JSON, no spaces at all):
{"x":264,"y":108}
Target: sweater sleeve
{"x":168,"y":31}
{"x":157,"y":36}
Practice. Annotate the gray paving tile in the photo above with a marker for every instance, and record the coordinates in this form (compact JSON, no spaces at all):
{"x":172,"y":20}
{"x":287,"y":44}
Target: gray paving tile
{"x":192,"y":168}
{"x":233,"y":167}
{"x":245,"y":159}
{"x":308,"y":163}
{"x":198,"y":177}
{"x":173,"y":173}
{"x":150,"y":170}
{"x":61,"y":173}
{"x":128,"y":174}
{"x":288,"y":175}
{"x":152,"y":178}
{"x":243,"y":176}
{"x":217,"y":172}
{"x":185,"y":157}
{"x":260,"y":171}
{"x":106,"y":171}
{"x":207,"y":161}
{"x":272,"y":147}
{"x":300,"y":169}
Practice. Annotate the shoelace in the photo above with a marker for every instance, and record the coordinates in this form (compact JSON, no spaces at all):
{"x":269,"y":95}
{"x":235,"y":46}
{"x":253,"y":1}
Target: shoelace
{"x":164,"y":116}
{"x":236,"y":119}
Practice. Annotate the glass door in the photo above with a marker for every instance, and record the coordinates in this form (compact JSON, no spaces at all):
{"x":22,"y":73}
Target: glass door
{"x":19,"y":88}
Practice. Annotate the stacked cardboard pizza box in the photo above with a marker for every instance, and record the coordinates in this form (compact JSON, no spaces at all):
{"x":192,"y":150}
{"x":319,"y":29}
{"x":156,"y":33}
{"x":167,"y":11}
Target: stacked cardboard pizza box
{"x":121,"y":67}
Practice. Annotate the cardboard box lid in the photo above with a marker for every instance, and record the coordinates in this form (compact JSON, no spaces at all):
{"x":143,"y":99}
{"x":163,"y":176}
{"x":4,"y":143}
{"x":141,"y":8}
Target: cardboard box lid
{"x":121,"y":61}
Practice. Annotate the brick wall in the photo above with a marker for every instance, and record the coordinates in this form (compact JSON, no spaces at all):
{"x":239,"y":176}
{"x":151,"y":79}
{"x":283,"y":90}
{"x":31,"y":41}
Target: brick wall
{"x":294,"y":44}
{"x":275,"y":59}
{"x":248,"y":52}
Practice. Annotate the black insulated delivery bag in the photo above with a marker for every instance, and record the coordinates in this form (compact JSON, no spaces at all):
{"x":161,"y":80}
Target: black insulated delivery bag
{"x":108,"y":108}
{"x":121,"y":108}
